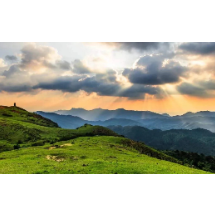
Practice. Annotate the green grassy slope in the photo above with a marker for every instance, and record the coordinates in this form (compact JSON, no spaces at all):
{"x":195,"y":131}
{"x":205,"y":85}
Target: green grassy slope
{"x":29,"y":144}
{"x":24,"y":134}
{"x":98,"y":154}
{"x":21,"y":130}
{"x":19,"y":114}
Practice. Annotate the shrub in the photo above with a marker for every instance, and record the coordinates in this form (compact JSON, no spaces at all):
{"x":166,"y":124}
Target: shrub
{"x":6,"y":147}
{"x":19,"y":142}
{"x":17,"y":146}
{"x":39,"y":143}
{"x":5,"y":114}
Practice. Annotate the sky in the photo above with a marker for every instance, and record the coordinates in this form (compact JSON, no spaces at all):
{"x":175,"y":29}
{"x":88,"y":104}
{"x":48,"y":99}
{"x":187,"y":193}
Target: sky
{"x":161,"y":77}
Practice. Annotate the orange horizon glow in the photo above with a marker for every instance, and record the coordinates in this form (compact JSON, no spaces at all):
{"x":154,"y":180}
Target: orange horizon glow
{"x":51,"y":101}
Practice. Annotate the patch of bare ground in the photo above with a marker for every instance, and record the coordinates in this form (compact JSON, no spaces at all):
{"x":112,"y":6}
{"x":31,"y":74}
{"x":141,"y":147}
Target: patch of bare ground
{"x":61,"y":146}
{"x":54,"y":158}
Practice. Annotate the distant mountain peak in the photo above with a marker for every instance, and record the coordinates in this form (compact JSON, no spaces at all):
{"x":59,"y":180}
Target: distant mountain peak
{"x":206,"y":111}
{"x":77,"y":108}
{"x":188,"y":113}
{"x":165,"y":114}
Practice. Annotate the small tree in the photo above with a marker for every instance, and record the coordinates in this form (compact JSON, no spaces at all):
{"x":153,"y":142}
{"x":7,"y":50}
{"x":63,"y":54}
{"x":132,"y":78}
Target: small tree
{"x":17,"y":146}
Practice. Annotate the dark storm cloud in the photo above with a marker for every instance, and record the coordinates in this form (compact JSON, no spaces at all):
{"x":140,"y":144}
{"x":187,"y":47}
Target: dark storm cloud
{"x":63,"y":83}
{"x":151,"y":71}
{"x":142,"y":46}
{"x":139,"y":91}
{"x":11,"y":58}
{"x":138,"y":45}
{"x":16,"y":88}
{"x":203,"y":48}
{"x":103,"y":84}
{"x":192,"y":90}
{"x":209,"y":85}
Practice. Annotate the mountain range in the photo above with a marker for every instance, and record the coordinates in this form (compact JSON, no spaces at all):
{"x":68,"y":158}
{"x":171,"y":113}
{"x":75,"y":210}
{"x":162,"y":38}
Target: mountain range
{"x":71,"y":122}
{"x":105,"y":114}
{"x":197,"y":140}
{"x":147,"y":119}
{"x":191,"y":132}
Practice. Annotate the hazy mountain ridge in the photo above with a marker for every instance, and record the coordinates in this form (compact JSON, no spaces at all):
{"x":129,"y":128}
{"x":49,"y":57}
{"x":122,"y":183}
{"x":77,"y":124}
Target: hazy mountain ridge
{"x":196,"y":140}
{"x":191,"y":132}
{"x":104,"y":114}
{"x":68,"y":121}
{"x":202,"y":119}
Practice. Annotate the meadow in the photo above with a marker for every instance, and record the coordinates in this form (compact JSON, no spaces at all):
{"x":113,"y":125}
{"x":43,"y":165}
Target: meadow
{"x":32,"y":144}
{"x":87,"y":155}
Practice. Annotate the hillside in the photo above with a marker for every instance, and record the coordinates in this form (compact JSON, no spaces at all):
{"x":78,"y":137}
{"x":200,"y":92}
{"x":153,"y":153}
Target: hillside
{"x":19,"y":114}
{"x":14,"y":134}
{"x":87,"y":155}
{"x":196,"y":140}
{"x":19,"y":128}
{"x":195,"y":160}
{"x":28,"y":146}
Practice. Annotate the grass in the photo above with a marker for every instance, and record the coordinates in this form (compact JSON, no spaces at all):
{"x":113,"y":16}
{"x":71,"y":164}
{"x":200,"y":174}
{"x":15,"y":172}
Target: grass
{"x":18,"y":130}
{"x":30,"y":143}
{"x":85,"y":155}
{"x":19,"y":114}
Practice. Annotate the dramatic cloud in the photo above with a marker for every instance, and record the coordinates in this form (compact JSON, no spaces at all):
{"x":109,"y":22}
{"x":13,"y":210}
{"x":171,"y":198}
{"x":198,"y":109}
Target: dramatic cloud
{"x":41,"y":68}
{"x":198,"y":48}
{"x":11,"y":58}
{"x":143,"y":46}
{"x":192,"y":90}
{"x":37,"y":57}
{"x":155,"y":70}
{"x":102,"y":84}
{"x":209,"y":85}
{"x":16,"y":88}
{"x":139,"y":91}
